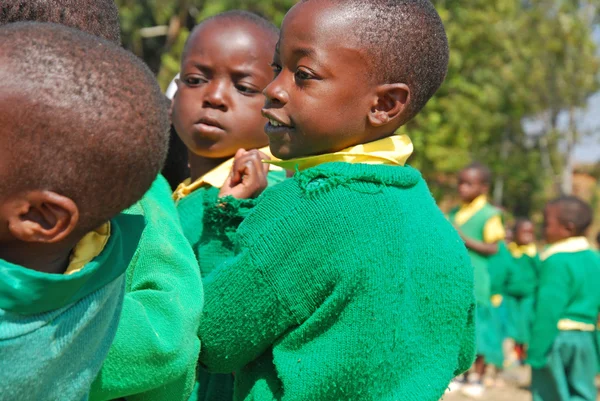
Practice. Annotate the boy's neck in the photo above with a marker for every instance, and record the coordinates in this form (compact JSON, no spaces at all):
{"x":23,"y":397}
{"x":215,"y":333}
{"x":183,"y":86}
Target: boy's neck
{"x":199,"y":165}
{"x":45,"y":258}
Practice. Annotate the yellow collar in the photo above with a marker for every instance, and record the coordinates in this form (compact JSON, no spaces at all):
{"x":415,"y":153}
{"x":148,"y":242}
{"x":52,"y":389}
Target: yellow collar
{"x":392,"y":150}
{"x":519,"y":250}
{"x":569,"y":245}
{"x":90,"y":246}
{"x":468,"y":210}
{"x":215,"y":178}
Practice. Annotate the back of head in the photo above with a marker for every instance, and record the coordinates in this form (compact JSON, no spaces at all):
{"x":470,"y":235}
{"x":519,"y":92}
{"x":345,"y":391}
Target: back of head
{"x":573,"y":211}
{"x":79,"y":116}
{"x":96,"y":17}
{"x":407,"y":43}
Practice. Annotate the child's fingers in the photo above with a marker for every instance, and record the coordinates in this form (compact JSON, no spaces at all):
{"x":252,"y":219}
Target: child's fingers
{"x":236,"y":173}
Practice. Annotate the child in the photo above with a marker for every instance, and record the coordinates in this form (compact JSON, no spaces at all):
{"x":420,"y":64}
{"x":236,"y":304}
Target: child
{"x":155,"y":351}
{"x":524,"y":284}
{"x":217,"y":110}
{"x":334,"y":291}
{"x":224,"y":70}
{"x":480,"y":226}
{"x":67,"y":170}
{"x":562,"y":352}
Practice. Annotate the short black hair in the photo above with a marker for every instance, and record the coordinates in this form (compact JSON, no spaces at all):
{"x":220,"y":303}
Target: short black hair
{"x":484,"y":172}
{"x":520,"y":221}
{"x":239,"y":15}
{"x":407,"y":43}
{"x":96,"y":17}
{"x":573,"y":210}
{"x":89,"y":120}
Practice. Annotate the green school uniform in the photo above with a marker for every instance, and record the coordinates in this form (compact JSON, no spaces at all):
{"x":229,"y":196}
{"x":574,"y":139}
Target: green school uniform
{"x":334,"y":290}
{"x":502,"y":272}
{"x":211,"y":248}
{"x":475,"y":228}
{"x":156,"y":348}
{"x":562,"y":352}
{"x":56,"y":330}
{"x":523,"y":287}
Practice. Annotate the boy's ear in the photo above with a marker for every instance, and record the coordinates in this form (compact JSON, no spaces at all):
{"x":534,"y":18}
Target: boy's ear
{"x":571,"y":229}
{"x":40,"y":216}
{"x":390,"y":104}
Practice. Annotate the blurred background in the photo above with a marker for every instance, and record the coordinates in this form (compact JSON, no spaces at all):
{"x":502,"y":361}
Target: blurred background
{"x":522,"y":93}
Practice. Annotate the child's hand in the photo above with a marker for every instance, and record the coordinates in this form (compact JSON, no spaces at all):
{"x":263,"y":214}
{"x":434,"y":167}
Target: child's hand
{"x":248,"y":176}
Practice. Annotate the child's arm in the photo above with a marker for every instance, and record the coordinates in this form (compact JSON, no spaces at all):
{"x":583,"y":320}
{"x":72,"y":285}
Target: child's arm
{"x":155,"y":350}
{"x":552,"y":300}
{"x":493,"y":232}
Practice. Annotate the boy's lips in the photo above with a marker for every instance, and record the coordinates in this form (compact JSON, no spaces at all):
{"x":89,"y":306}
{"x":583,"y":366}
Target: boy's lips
{"x":207,"y":125}
{"x":276,"y":124}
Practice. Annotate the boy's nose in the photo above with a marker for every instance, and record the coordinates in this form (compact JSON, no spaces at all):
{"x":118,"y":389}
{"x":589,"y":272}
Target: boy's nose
{"x":215,"y":96}
{"x":275,"y":93}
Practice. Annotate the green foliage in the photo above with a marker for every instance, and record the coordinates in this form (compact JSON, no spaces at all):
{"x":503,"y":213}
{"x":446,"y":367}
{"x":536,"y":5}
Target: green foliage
{"x":510,"y":60}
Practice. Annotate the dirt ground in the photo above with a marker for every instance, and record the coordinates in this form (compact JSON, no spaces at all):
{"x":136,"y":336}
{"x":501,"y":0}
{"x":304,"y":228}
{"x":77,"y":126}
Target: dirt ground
{"x":512,"y":386}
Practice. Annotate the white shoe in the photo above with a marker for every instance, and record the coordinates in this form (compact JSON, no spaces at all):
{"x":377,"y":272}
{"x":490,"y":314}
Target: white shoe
{"x":455,"y":385}
{"x":473,"y":390}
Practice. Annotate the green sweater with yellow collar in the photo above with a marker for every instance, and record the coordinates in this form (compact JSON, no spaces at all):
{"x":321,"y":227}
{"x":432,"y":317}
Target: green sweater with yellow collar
{"x":347,"y":284}
{"x":56,"y":330}
{"x":568,"y":290}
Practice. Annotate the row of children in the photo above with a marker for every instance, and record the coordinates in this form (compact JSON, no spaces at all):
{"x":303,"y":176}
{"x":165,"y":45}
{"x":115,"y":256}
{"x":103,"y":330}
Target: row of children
{"x":324,"y":286}
{"x":547,"y":302}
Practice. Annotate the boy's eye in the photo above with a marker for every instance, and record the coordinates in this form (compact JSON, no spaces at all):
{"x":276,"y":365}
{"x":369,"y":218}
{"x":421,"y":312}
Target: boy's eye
{"x":246,"y":89}
{"x":303,"y":75}
{"x":194,"y":80}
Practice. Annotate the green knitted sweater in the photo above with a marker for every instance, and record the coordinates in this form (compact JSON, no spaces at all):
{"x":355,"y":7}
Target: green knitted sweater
{"x":348,"y":284}
{"x":568,"y":289}
{"x":155,"y":351}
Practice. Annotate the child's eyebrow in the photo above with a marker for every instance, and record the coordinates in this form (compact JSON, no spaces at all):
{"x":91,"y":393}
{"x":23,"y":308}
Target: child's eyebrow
{"x":304,"y":52}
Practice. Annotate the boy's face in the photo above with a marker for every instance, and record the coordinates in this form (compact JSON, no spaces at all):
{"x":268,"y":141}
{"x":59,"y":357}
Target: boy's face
{"x":525,"y":234}
{"x":217,"y":108}
{"x":470,"y":185}
{"x":321,"y":96}
{"x":554,"y":230}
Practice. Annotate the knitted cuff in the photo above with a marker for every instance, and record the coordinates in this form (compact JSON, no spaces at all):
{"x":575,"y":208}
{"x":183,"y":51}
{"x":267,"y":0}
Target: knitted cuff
{"x":225,"y":215}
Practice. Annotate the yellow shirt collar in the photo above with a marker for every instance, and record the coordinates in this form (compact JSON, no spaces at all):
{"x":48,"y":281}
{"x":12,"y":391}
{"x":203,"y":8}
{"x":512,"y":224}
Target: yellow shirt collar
{"x":90,"y":246}
{"x":215,"y":178}
{"x":392,"y":150}
{"x":569,"y":245}
{"x":468,"y":210}
{"x":519,"y":250}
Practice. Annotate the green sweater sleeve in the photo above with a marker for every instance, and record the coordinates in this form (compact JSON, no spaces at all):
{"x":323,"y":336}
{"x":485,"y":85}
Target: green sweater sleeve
{"x":155,"y":351}
{"x":243,"y":316}
{"x":552,"y":300}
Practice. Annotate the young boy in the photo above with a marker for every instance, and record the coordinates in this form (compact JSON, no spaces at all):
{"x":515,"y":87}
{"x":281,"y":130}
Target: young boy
{"x":481,"y":228}
{"x":524,"y":283}
{"x":217,"y":110}
{"x":562,"y":352}
{"x":155,"y":351}
{"x":68,"y":168}
{"x":334,"y":292}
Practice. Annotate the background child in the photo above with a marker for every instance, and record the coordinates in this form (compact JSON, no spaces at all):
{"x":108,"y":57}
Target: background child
{"x":334,"y":290}
{"x":155,"y":350}
{"x":562,"y":352}
{"x":67,"y":169}
{"x":524,"y":285}
{"x":480,"y":226}
{"x":217,"y":110}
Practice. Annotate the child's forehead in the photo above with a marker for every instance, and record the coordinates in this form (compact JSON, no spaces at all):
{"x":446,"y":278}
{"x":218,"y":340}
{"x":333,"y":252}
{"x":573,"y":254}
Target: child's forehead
{"x":216,"y":36}
{"x":321,"y":29}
